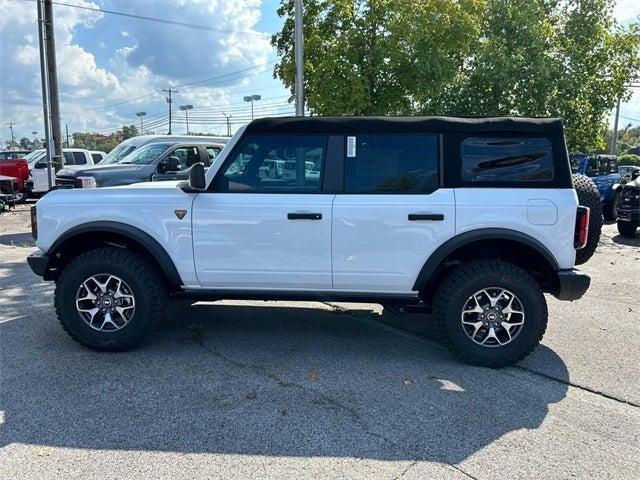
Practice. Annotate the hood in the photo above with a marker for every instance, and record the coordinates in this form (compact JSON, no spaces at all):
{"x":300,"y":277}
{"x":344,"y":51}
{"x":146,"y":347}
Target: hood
{"x":157,"y":185}
{"x":93,"y":170}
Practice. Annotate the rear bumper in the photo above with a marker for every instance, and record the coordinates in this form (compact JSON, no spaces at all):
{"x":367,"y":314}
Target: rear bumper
{"x":38,"y":261}
{"x":572,"y":284}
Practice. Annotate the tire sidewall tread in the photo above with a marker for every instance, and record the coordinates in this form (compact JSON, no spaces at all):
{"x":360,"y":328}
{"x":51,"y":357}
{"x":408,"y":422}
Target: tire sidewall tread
{"x":137,"y":271}
{"x":459,"y":285}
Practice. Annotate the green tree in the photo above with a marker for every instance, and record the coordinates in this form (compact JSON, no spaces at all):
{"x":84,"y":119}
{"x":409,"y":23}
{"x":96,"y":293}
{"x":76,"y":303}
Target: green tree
{"x":129,"y":131}
{"x":26,"y":144}
{"x":377,"y":56}
{"x":468,"y":57}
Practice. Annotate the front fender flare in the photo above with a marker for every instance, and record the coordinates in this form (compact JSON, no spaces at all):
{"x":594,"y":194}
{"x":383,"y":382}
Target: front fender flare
{"x":147,"y":241}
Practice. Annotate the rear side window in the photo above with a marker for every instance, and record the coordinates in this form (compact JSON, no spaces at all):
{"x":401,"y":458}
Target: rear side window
{"x":391,"y":163}
{"x":79,"y":158}
{"x":506,"y":160}
{"x":96,"y":157}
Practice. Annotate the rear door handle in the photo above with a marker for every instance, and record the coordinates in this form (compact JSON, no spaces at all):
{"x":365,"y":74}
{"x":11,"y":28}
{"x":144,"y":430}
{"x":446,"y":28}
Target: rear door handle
{"x":304,"y":216}
{"x":434,"y":217}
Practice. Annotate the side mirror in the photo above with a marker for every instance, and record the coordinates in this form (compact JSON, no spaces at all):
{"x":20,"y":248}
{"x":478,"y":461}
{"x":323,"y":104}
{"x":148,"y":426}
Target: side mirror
{"x":163,"y":166}
{"x":174,"y":164}
{"x":197,"y":179}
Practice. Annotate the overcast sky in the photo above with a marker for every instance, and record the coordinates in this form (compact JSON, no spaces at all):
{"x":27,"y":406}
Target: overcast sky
{"x":111,"y":67}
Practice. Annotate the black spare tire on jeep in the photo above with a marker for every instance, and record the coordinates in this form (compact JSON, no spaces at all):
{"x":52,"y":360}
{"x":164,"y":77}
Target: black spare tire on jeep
{"x":588,"y":196}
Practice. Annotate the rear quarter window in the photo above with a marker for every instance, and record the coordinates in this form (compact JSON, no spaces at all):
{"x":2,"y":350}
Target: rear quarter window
{"x":497,"y":160}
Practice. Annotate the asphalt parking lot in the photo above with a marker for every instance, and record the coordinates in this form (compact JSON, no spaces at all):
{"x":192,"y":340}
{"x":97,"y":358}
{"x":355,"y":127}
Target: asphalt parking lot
{"x":313,"y":390}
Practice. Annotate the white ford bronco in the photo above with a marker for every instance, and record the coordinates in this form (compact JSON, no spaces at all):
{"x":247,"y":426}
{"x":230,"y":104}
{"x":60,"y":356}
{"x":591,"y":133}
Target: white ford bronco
{"x":474,"y":219}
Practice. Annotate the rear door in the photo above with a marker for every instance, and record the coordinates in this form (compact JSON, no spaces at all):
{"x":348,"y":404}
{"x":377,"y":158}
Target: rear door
{"x":392,"y":214}
{"x":256,"y":229}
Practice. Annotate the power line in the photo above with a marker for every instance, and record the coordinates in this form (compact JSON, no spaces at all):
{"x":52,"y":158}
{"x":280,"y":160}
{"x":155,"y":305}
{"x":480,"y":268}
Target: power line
{"x":159,"y":20}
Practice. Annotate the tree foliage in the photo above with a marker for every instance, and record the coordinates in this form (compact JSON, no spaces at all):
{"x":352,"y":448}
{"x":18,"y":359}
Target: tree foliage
{"x":465,"y":57}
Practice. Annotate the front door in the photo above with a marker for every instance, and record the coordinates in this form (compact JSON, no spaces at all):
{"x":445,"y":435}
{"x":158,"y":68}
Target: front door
{"x":392,"y":214}
{"x":259,"y":229}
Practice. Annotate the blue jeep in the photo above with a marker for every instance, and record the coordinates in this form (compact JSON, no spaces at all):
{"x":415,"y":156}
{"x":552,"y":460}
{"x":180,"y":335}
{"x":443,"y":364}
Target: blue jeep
{"x":603,"y":170}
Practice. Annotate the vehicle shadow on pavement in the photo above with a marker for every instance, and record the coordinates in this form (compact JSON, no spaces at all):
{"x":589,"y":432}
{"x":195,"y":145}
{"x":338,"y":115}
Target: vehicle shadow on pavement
{"x":628,"y":241}
{"x":17,"y":239}
{"x":269,"y":379}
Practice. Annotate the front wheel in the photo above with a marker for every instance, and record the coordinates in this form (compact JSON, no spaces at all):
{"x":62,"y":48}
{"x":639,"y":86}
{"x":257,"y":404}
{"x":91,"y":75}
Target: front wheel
{"x":109,"y":298}
{"x":627,"y":229}
{"x":20,"y":196}
{"x":490,"y":313}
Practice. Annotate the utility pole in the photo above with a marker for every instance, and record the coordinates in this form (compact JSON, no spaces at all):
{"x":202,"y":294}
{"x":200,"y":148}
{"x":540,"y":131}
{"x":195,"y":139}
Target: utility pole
{"x":45,"y":91}
{"x":66,"y":128}
{"x":299,"y":59}
{"x":52,"y":73}
{"x":614,"y":137}
{"x":13,"y":139}
{"x":169,"y":91}
{"x":141,"y":114}
{"x":228,"y":117}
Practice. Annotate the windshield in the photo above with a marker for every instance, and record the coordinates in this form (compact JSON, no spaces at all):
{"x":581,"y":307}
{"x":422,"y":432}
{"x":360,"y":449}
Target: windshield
{"x":35,"y":156}
{"x":145,"y":155}
{"x":117,"y":154}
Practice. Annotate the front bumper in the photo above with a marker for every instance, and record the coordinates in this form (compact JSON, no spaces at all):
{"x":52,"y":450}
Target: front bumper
{"x":38,"y":261}
{"x":628,"y":214}
{"x":572,"y":284}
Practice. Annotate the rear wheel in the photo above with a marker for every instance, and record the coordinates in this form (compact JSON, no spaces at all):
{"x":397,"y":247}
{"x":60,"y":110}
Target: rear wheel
{"x":490,"y":313}
{"x":109,"y":298}
{"x":627,"y":229}
{"x":588,"y":196}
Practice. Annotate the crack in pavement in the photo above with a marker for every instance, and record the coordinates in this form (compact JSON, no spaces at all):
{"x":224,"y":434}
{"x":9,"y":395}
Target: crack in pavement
{"x":419,"y":338}
{"x":354,"y":416}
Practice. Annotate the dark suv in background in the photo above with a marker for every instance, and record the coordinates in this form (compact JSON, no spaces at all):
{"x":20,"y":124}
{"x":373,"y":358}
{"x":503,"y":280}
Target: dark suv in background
{"x":162,"y":160}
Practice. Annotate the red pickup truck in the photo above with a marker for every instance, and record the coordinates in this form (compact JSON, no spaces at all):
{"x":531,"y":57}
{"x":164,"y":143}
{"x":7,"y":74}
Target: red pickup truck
{"x":17,"y":168}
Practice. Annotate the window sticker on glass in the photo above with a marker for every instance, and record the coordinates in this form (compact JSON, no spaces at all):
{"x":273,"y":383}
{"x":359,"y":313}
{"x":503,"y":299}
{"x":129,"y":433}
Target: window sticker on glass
{"x":351,"y":147}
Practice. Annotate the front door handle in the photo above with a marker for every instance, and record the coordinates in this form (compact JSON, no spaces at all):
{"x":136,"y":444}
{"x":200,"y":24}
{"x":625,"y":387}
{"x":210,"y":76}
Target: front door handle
{"x":304,"y":216}
{"x":434,"y":217}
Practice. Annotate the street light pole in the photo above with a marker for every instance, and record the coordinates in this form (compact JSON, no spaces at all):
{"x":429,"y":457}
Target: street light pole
{"x":299,"y":59}
{"x":252,"y":98}
{"x":44,"y":79}
{"x":141,"y":114}
{"x":13,"y":139}
{"x":228,"y":117}
{"x":186,"y":109}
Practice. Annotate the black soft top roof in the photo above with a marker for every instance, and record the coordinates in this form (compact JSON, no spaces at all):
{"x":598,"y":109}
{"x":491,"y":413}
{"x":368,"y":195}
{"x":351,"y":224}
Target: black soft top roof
{"x":354,"y":124}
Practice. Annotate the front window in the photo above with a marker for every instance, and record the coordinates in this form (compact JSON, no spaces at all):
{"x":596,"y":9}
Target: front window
{"x":117,"y":154}
{"x":145,"y":155}
{"x":275,"y":164}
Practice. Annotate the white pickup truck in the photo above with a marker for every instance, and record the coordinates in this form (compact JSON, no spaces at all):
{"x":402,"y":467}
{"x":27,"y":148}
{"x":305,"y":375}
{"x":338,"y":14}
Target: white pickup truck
{"x":38,"y":182}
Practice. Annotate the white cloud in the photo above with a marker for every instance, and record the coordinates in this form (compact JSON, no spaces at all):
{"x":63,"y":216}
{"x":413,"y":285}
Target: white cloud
{"x":627,"y":10}
{"x":160,"y":55}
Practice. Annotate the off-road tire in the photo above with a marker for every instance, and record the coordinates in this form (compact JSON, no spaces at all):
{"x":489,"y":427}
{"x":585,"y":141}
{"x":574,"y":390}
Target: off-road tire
{"x":627,"y":229}
{"x":588,"y":196}
{"x":145,"y":281}
{"x":453,"y":293}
